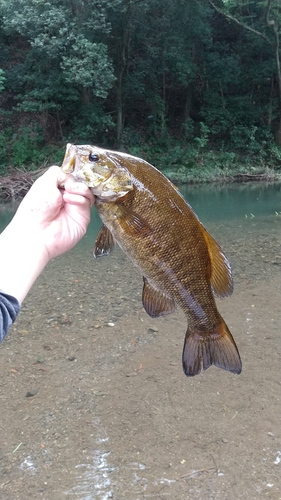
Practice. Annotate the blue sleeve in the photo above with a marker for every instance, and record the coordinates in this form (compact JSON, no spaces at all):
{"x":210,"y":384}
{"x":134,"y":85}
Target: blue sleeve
{"x":9,"y":309}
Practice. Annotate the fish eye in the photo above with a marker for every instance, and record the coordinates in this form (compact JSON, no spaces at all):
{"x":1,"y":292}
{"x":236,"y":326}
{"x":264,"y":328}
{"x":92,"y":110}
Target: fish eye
{"x":93,"y":157}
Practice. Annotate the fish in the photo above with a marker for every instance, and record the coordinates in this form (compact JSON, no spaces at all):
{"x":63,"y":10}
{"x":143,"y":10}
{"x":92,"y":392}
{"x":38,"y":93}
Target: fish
{"x":181,"y":263}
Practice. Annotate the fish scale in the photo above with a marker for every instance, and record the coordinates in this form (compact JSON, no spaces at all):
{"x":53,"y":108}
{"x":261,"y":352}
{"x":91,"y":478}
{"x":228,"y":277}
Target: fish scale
{"x":180,"y":262}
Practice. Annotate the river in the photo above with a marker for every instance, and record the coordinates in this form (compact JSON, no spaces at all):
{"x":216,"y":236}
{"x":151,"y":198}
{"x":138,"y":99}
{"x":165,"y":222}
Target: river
{"x":113,"y":415}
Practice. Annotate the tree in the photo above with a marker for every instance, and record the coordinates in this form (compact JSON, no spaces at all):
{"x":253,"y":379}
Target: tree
{"x":65,"y":57}
{"x":269,"y":16}
{"x":2,"y":80}
{"x":156,"y":48}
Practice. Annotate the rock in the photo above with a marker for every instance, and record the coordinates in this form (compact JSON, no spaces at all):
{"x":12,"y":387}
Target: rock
{"x":31,"y":393}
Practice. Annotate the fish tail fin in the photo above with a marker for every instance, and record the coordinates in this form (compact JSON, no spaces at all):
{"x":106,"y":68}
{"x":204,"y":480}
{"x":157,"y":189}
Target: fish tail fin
{"x":203,"y":349}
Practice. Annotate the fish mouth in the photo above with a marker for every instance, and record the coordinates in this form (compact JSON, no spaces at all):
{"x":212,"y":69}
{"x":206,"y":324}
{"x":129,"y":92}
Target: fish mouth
{"x":109,"y":190}
{"x":69,"y":162}
{"x":68,"y":166}
{"x":93,"y":179}
{"x":107,"y":181}
{"x":72,"y":164}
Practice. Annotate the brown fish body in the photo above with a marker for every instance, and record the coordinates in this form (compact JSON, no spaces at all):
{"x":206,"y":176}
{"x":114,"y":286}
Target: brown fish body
{"x":180,"y":261}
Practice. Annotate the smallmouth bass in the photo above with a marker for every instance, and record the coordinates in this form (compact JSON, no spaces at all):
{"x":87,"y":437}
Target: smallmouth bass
{"x":180,"y":261}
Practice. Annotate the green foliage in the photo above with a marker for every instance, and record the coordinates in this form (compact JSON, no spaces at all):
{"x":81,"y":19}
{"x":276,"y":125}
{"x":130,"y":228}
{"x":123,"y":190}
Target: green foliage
{"x":174,"y":81}
{"x":87,"y":65}
{"x":91,"y":124}
{"x":203,"y":139}
{"x":65,"y":60}
{"x":25,"y":147}
{"x":3,"y":154}
{"x":2,"y":80}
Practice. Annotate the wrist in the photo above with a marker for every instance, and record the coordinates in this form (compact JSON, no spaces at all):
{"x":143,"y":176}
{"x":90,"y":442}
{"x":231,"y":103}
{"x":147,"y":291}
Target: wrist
{"x":23,"y":257}
{"x":28,"y":239}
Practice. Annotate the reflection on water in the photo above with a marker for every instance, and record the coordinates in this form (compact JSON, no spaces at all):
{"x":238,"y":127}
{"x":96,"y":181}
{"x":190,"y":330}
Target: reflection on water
{"x":93,"y":481}
{"x":234,"y":201}
{"x":28,"y":465}
{"x":98,"y":479}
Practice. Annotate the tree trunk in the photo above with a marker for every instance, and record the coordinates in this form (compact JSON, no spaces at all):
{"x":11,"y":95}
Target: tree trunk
{"x":123,"y":63}
{"x":272,"y":23}
{"x":278,"y":134}
{"x":119,"y":106}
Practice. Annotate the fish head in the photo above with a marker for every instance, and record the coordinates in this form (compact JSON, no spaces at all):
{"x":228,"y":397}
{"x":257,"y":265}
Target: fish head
{"x":107,"y":179}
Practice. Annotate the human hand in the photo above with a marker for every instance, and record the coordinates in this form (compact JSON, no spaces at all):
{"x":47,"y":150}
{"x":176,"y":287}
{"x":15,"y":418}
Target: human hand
{"x":55,"y":211}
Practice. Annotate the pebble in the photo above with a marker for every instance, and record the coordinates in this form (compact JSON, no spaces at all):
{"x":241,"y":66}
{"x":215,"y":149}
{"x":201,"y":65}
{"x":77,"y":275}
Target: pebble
{"x":110,"y":323}
{"x":31,"y":393}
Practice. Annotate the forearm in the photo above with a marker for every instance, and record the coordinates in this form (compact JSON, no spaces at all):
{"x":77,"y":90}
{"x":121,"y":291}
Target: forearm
{"x":22,"y":259}
{"x":50,"y":220}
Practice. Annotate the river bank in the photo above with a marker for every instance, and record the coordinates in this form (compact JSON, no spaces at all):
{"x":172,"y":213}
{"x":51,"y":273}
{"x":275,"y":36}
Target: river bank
{"x":15,"y":185}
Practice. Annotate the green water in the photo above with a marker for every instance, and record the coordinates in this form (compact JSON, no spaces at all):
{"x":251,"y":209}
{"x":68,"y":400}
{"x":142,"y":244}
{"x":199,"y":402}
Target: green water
{"x":234,"y":201}
{"x":211,"y":202}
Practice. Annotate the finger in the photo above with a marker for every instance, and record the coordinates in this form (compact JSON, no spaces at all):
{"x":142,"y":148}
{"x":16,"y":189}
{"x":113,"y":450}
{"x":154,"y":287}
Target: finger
{"x":71,"y":186}
{"x":77,"y":199}
{"x":44,"y":192}
{"x":54,"y":175}
{"x":47,"y":185}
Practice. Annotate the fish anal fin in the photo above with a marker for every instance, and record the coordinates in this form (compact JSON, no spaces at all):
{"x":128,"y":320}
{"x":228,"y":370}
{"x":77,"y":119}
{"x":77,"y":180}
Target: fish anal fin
{"x":104,"y":243}
{"x":203,"y":349}
{"x":155,"y":302}
{"x":221,"y":276}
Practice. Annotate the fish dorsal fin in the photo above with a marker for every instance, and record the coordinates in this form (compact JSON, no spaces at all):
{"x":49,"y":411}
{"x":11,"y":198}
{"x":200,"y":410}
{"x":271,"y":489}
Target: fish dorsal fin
{"x":155,"y":302}
{"x":104,"y":243}
{"x":221,"y":277}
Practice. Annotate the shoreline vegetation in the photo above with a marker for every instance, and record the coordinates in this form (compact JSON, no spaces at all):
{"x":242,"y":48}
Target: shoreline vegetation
{"x":192,"y":87}
{"x":16,"y":182}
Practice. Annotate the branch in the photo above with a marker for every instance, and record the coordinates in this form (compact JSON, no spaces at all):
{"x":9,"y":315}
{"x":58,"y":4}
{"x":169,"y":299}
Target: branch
{"x":228,"y":16}
{"x":274,"y":25}
{"x":269,"y":22}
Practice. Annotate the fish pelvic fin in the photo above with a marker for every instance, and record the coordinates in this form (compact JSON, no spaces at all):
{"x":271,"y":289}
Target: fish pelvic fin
{"x":203,"y":349}
{"x":104,"y":243}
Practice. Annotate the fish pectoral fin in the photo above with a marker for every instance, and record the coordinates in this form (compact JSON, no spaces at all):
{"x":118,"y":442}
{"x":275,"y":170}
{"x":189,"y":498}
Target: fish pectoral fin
{"x":221,"y":277}
{"x":203,"y":349}
{"x":155,"y":302}
{"x":132,"y":223}
{"x":104,"y":243}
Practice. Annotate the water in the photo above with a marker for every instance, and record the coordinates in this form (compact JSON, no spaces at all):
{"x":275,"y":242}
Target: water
{"x":7,"y":211}
{"x":233,"y":201}
{"x":215,"y":203}
{"x":211,"y":202}
{"x":121,"y":420}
